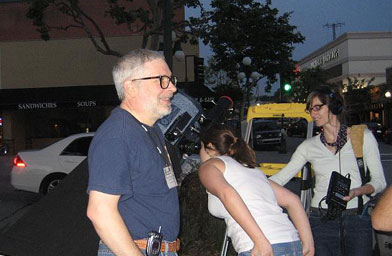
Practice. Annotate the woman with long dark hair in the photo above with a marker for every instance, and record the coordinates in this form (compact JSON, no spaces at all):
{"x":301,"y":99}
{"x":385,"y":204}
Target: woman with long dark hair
{"x":250,"y":203}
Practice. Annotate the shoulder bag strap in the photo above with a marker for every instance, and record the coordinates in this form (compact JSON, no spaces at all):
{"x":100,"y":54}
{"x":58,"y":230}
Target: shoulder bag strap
{"x":356,"y":136}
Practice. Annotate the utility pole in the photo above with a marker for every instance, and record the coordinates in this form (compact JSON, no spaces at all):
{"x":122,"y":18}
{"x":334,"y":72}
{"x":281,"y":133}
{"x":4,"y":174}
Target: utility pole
{"x":167,"y":33}
{"x":334,"y":26}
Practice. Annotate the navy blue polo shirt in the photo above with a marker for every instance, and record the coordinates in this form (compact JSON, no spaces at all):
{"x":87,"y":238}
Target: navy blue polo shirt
{"x":124,"y":161}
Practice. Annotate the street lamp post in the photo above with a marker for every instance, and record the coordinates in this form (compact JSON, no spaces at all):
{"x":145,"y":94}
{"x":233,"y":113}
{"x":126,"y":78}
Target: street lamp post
{"x":177,"y":49}
{"x":167,"y":32}
{"x":250,"y":77}
{"x":170,"y":49}
{"x":388,"y":95}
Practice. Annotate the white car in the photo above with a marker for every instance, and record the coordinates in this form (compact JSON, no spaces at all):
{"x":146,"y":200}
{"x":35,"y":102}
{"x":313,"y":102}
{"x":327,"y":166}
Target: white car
{"x":41,"y":170}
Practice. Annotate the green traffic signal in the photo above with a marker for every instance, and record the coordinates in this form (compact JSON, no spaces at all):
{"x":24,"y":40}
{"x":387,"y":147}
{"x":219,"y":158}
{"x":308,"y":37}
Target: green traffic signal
{"x":287,"y":87}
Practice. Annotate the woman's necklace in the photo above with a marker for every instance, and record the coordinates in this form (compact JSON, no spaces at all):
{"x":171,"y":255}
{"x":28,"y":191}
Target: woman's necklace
{"x":340,"y":140}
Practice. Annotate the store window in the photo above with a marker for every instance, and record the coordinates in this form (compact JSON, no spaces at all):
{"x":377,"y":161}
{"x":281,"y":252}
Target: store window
{"x":60,"y":123}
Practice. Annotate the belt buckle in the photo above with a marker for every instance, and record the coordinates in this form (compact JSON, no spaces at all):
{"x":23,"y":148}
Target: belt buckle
{"x":173,"y":246}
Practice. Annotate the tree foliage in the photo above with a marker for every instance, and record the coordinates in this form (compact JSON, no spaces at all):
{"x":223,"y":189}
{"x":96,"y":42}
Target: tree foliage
{"x":305,"y":82}
{"x":220,"y":82}
{"x":238,"y":28}
{"x":148,"y":22}
{"x":354,"y":83}
{"x":358,"y":99}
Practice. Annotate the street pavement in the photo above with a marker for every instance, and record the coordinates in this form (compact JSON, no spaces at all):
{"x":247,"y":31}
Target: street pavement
{"x":13,"y":203}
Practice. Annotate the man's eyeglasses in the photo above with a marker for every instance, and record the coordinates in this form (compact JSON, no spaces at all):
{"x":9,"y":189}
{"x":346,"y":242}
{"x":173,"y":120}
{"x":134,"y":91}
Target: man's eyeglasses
{"x":163,"y":80}
{"x":315,"y":108}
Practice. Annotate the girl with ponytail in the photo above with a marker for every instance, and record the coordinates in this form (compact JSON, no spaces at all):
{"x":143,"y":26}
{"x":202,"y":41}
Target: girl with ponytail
{"x":251,"y":205}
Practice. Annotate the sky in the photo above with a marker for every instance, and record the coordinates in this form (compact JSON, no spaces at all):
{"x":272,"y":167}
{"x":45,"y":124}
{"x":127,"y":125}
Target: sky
{"x":311,"y":16}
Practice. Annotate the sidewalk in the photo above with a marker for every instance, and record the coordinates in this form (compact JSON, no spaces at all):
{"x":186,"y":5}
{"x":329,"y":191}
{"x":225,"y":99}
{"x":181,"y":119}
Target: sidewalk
{"x":13,"y":203}
{"x":12,"y":215}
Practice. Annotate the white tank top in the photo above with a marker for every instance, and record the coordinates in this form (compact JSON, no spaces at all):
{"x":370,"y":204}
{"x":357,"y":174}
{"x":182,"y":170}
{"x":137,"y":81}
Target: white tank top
{"x":255,"y":190}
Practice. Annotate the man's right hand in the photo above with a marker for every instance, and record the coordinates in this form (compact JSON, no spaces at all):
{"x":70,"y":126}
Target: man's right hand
{"x":103,"y":212}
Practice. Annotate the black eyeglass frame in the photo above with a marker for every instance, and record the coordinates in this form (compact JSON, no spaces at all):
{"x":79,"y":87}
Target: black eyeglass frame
{"x":172,"y":79}
{"x":316,"y":108}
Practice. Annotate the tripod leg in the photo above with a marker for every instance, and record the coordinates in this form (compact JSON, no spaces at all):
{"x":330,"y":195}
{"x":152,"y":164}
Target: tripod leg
{"x":225,"y":245}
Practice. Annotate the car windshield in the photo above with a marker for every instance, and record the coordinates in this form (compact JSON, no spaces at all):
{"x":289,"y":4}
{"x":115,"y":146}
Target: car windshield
{"x":266,"y":126}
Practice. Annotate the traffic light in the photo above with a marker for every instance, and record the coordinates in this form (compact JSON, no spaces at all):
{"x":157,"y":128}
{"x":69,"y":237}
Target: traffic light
{"x":287,"y":87}
{"x":198,"y":64}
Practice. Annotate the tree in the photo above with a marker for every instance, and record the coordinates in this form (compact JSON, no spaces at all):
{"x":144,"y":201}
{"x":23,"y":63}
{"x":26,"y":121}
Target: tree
{"x":220,"y":82}
{"x":238,"y":28}
{"x":305,"y":81}
{"x":215,"y":79}
{"x":358,"y":99}
{"x":148,"y":22}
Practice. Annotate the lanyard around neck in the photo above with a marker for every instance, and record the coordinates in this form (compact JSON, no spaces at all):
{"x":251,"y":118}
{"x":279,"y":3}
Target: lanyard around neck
{"x":164,"y":155}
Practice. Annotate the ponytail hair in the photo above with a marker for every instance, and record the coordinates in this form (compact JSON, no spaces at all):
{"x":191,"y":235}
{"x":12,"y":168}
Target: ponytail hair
{"x":225,"y":141}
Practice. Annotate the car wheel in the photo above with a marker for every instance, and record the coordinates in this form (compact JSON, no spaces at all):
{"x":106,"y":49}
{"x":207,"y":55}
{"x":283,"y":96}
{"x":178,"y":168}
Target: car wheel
{"x":50,"y":182}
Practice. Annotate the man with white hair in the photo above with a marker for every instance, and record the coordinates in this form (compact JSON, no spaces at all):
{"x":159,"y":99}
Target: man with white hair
{"x":132,"y":187}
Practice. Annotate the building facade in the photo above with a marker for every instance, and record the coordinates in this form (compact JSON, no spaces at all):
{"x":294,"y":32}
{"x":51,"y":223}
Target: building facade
{"x":51,"y":89}
{"x":357,"y":56}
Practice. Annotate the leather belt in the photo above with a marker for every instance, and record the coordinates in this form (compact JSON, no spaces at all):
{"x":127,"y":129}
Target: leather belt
{"x":173,"y":246}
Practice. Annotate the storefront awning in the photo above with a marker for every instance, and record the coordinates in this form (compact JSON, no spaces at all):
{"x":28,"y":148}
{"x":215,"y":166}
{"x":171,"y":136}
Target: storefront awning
{"x":79,"y":96}
{"x":58,"y":97}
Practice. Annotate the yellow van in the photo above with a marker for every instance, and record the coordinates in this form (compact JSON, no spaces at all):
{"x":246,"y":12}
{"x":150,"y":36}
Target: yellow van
{"x":277,"y":111}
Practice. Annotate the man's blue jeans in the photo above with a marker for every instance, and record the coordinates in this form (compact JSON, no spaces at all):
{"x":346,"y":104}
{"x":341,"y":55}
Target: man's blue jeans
{"x":286,"y":249}
{"x":353,"y":232}
{"x":103,"y":250}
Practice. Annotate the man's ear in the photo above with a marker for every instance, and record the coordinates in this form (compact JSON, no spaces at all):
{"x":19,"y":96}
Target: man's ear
{"x":129,"y":88}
